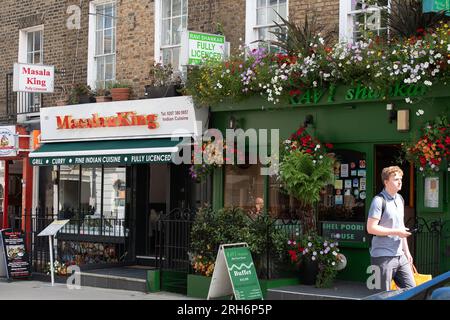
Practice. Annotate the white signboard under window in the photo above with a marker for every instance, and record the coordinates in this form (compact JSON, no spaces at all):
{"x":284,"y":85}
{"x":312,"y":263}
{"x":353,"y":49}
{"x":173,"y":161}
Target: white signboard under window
{"x":33,"y":78}
{"x":432,"y":192}
{"x":8,"y":141}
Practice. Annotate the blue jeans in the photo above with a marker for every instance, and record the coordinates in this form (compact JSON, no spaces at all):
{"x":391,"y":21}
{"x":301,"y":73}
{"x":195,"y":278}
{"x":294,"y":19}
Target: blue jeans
{"x":397,"y":268}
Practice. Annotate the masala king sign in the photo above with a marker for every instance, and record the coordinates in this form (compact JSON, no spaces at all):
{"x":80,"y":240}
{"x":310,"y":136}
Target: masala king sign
{"x":33,"y":78}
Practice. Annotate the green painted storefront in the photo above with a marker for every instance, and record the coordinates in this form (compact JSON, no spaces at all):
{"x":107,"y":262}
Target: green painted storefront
{"x":354,"y":120}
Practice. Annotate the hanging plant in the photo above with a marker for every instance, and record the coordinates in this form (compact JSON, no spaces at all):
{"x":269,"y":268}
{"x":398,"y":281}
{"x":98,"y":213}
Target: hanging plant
{"x":432,"y":148}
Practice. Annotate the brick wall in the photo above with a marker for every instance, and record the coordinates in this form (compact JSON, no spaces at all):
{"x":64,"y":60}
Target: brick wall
{"x":67,"y":49}
{"x":59,"y":42}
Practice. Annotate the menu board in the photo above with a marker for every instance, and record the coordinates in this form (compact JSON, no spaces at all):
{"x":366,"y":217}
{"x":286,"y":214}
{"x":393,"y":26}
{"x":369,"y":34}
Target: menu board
{"x":15,"y":260}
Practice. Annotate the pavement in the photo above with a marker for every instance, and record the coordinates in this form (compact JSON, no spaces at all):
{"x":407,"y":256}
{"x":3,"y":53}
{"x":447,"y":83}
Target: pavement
{"x":36,"y":290}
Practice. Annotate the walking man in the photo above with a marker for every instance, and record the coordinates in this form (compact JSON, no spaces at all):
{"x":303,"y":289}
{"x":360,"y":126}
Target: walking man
{"x":389,"y":250}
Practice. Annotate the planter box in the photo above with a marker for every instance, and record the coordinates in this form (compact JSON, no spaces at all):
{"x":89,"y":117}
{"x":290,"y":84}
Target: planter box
{"x":120,"y":94}
{"x":198,"y":286}
{"x":160,"y":92}
{"x":103,"y":99}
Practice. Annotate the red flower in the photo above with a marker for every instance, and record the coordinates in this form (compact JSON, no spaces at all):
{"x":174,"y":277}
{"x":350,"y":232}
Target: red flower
{"x":447,"y":140}
{"x":329,"y":145}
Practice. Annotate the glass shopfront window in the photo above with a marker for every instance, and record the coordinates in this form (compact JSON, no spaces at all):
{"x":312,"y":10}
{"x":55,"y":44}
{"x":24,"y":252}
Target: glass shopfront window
{"x":243,"y":185}
{"x":114,"y":187}
{"x":69,"y":191}
{"x":281,"y":204}
{"x":91,"y":188}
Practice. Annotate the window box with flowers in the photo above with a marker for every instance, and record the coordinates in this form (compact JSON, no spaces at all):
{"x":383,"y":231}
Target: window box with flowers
{"x":164,"y":82}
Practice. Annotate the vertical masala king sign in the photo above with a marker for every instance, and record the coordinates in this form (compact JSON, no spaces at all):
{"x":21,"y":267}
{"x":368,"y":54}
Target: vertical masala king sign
{"x":35,"y":78}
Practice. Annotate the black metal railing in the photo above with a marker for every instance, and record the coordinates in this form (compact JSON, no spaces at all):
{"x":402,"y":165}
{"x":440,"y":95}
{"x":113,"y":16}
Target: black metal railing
{"x":21,"y":102}
{"x":86,"y":240}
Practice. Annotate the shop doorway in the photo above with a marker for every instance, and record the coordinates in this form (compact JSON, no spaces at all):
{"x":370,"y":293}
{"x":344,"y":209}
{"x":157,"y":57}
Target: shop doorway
{"x":389,"y":155}
{"x":15,"y":194}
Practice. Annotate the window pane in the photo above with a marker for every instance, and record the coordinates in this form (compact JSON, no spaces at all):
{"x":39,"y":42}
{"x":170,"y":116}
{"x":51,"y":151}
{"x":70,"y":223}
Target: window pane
{"x":37,"y":40}
{"x":176,"y":8}
{"x":272,"y":15}
{"x":184,"y":18}
{"x":30,"y":42}
{"x":99,"y":43}
{"x":281,"y":204}
{"x":243,"y":186}
{"x":30,"y":58}
{"x":166,"y":8}
{"x":100,"y":68}
{"x":176,"y":31}
{"x":37,"y":57}
{"x":114,"y":193}
{"x":175,"y":57}
{"x":282,"y":11}
{"x":261,"y":16}
{"x":108,"y":16}
{"x":100,"y":17}
{"x":108,"y":41}
{"x":109,"y":67}
{"x":165,"y":36}
{"x":69,"y":183}
{"x":273,"y":2}
{"x":185,"y":7}
{"x":166,"y":56}
{"x":262,"y":3}
{"x":91,"y":187}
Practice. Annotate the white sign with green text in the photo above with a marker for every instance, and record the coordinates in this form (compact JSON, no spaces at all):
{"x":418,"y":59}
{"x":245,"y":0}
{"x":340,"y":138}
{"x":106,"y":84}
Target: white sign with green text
{"x":197,"y":46}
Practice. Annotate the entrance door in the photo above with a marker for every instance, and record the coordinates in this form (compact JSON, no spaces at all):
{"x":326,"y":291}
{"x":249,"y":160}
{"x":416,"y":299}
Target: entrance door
{"x":15,"y":194}
{"x":386,"y":156}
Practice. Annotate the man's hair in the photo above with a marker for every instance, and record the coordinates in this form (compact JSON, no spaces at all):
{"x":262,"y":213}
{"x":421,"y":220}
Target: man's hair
{"x":387,"y":172}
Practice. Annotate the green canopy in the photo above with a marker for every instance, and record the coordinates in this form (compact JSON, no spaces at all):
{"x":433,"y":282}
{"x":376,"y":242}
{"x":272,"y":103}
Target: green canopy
{"x":112,"y":152}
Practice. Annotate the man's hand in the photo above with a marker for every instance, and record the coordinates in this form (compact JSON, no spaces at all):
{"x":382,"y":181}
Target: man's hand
{"x":402,"y":233}
{"x":409,"y":257}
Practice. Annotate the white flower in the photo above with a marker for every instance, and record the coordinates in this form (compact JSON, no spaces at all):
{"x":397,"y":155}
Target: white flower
{"x":408,"y":100}
{"x":289,"y":242}
{"x":314,"y":253}
{"x":313,"y":258}
{"x":428,"y":83}
{"x":321,"y":252}
{"x":395,"y":67}
{"x":334,"y":253}
{"x":332,"y":245}
{"x":333,"y":263}
{"x":309,"y":244}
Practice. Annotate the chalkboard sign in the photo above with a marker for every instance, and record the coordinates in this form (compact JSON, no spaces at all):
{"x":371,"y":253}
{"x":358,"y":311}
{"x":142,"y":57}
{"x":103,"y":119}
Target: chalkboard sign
{"x":15,"y":260}
{"x":235,"y":274}
{"x":344,"y":231}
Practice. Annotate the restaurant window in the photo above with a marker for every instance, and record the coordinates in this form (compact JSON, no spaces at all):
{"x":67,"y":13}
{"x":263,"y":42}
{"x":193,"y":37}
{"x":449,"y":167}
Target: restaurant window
{"x":281,"y":204}
{"x":172,"y":22}
{"x":344,"y":199}
{"x":362,"y":18}
{"x":243,"y":184}
{"x":69,"y":191}
{"x":260,"y":21}
{"x":91,"y":191}
{"x":114,"y":187}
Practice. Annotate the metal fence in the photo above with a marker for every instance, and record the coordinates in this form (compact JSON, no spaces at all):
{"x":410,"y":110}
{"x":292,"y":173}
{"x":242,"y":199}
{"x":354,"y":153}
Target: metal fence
{"x":86,"y":240}
{"x":21,"y":102}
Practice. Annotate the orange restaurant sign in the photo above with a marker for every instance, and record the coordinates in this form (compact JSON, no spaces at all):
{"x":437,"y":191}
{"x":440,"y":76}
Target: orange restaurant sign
{"x":121,"y":119}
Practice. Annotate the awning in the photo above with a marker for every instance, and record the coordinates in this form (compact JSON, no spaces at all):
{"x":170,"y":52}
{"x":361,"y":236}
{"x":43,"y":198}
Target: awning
{"x":109,"y":152}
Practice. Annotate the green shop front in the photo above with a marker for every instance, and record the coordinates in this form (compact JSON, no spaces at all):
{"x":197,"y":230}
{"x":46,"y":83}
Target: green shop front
{"x":367,"y":133}
{"x":108,"y":168}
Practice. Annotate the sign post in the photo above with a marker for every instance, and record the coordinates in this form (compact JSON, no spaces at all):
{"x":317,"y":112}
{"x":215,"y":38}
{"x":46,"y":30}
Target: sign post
{"x":50,"y":231}
{"x":235,"y":274}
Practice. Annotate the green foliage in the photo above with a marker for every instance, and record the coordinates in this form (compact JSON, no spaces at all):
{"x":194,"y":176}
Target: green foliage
{"x":119,"y":84}
{"x":304,"y":177}
{"x":232,"y":225}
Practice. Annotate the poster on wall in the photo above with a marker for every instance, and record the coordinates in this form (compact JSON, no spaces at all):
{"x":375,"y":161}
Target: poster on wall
{"x":8,"y":141}
{"x":344,"y":170}
{"x":339,"y":200}
{"x":338,"y":184}
{"x":432,"y":192}
{"x":15,"y":260}
{"x":362,"y":184}
{"x":348,"y":184}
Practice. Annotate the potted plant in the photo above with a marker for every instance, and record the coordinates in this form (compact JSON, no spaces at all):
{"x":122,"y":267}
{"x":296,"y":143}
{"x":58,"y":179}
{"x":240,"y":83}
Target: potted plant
{"x":318,"y":257}
{"x":80,"y":93}
{"x":102,"y":95}
{"x":164,"y":82}
{"x":120,"y":91}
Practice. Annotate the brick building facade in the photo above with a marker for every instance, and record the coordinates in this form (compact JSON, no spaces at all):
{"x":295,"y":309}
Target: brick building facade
{"x":67,"y":49}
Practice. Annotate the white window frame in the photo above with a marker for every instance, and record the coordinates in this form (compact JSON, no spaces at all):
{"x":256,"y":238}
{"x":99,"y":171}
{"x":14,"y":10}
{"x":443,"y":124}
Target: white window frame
{"x":251,"y":26}
{"x":346,"y":23}
{"x":158,"y":58}
{"x":91,"y":67}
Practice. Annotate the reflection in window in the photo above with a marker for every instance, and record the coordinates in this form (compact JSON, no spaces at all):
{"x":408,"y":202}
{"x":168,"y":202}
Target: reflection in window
{"x":281,"y":204}
{"x":369,"y":18}
{"x":91,"y":191}
{"x":69,"y":186}
{"x":114,"y":193}
{"x":243,"y":186}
